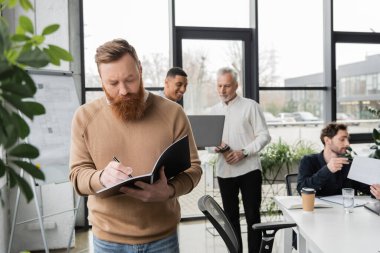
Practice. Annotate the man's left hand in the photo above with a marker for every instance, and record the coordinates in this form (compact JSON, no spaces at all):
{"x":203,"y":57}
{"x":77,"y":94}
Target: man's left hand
{"x":156,"y":192}
{"x":234,"y":156}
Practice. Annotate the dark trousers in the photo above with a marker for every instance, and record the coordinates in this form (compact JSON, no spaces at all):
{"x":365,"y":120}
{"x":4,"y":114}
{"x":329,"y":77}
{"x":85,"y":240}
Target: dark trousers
{"x":250,"y":187}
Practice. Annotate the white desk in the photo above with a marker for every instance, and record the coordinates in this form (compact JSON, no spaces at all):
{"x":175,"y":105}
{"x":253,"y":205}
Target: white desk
{"x":330,"y":230}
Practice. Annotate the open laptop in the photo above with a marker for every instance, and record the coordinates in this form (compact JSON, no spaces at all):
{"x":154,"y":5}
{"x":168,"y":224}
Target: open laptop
{"x":374,"y":207}
{"x":207,"y":129}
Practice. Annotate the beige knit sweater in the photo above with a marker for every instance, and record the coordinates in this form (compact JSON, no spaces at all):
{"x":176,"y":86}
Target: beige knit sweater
{"x":97,"y":135}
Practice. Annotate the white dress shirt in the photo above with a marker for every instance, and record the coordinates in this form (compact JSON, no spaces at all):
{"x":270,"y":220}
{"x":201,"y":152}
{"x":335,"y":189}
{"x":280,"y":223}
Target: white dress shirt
{"x":244,"y":128}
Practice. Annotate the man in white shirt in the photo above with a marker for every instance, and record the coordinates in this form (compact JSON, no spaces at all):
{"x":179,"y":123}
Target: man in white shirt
{"x":238,"y":166}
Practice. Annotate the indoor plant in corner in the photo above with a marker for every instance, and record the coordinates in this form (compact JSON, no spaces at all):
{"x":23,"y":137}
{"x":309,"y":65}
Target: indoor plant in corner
{"x":19,"y":50}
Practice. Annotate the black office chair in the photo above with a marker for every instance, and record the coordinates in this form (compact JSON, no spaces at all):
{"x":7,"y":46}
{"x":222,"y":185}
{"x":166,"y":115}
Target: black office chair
{"x":291,"y":184}
{"x":215,"y":214}
{"x":291,"y":189}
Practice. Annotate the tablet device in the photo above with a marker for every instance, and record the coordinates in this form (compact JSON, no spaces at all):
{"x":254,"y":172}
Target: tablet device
{"x":374,"y":207}
{"x":207,"y":129}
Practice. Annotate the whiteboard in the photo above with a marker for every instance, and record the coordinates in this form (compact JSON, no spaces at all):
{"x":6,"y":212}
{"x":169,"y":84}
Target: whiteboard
{"x":51,"y":132}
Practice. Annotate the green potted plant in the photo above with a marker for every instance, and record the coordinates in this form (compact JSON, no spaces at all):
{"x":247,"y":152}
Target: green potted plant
{"x":19,"y":50}
{"x":277,"y":160}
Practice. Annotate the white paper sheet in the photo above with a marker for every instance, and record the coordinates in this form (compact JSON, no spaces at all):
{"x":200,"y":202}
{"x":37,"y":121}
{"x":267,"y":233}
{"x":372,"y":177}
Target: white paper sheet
{"x":365,"y":170}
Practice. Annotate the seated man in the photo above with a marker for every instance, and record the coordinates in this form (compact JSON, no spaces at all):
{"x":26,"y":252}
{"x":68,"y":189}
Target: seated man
{"x":327,"y":171}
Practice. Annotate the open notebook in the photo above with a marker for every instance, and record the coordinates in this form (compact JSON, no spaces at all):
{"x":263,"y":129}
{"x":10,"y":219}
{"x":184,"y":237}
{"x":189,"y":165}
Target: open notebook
{"x":175,"y":159}
{"x":295,"y":202}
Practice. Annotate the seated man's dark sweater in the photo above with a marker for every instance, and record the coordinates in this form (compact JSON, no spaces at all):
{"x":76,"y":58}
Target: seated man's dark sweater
{"x":314,"y":173}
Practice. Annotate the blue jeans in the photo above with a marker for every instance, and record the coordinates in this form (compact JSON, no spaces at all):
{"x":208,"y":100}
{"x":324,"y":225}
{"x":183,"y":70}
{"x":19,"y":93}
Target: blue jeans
{"x":168,"y":245}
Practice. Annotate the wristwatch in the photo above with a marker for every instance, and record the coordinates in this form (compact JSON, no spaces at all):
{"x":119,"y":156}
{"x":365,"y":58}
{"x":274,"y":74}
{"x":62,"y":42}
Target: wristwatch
{"x":245,"y":152}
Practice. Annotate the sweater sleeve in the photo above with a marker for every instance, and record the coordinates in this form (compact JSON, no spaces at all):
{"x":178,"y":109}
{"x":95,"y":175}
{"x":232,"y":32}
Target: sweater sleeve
{"x":186,"y":181}
{"x":310,"y":176}
{"x":83,"y":174}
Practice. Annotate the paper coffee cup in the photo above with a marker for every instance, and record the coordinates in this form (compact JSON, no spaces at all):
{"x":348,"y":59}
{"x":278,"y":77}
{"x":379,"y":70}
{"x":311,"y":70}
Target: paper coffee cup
{"x":308,"y":196}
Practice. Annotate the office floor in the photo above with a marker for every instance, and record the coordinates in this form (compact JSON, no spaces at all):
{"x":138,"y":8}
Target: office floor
{"x":194,"y":236}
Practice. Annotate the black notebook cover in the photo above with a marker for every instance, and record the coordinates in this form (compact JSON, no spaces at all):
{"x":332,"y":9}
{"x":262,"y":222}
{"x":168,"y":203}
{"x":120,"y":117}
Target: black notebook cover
{"x":175,"y":159}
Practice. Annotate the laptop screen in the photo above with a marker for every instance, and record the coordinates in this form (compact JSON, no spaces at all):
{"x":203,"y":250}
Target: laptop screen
{"x":207,"y":129}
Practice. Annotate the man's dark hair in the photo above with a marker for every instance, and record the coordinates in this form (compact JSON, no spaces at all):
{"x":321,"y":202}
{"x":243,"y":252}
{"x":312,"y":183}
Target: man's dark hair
{"x":331,"y":130}
{"x":176,"y":71}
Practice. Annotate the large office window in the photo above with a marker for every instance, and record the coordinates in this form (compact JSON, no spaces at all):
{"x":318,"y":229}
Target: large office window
{"x":358,"y":85}
{"x":143,"y":23}
{"x":290,"y":40}
{"x":212,"y":13}
{"x":202,"y":59}
{"x":356,"y":16}
{"x":291,"y":67}
{"x":355,"y":48}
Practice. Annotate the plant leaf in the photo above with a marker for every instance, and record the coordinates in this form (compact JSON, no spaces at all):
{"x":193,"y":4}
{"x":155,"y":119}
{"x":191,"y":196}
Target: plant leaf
{"x":26,"y":79}
{"x":24,"y":187}
{"x":20,"y":37}
{"x":4,"y":36}
{"x":34,"y":107}
{"x":7,"y":128}
{"x":53,"y":58}
{"x":12,"y":86}
{"x":50,"y":29}
{"x":26,"y":24}
{"x":28,"y":108}
{"x":26,"y":5}
{"x":12,"y":3}
{"x":21,"y":126}
{"x":3,"y":136}
{"x":12,"y":176}
{"x":38,"y":39}
{"x":20,"y":30}
{"x":60,"y":53}
{"x":24,"y":150}
{"x":31,"y":169}
{"x":16,"y":75}
{"x":376,"y":134}
{"x":2,"y":168}
{"x":35,"y":58}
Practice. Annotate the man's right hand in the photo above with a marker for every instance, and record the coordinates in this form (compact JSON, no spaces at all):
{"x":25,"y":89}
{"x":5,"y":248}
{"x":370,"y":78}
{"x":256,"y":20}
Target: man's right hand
{"x":336,"y":163}
{"x":114,"y":173}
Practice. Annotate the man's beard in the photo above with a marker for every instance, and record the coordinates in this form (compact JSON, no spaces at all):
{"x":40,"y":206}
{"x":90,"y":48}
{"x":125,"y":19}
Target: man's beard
{"x":337,"y":151}
{"x":130,"y":107}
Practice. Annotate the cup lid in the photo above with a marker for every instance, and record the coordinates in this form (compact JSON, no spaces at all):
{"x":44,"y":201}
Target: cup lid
{"x":308,"y":190}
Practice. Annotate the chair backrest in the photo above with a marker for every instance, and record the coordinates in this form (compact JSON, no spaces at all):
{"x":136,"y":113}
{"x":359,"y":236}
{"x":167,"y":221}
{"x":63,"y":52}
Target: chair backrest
{"x":215,"y":214}
{"x":291,"y":184}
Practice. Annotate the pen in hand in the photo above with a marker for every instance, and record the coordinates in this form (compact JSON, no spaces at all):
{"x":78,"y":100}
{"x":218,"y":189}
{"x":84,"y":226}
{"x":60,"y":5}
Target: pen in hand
{"x":117,"y":160}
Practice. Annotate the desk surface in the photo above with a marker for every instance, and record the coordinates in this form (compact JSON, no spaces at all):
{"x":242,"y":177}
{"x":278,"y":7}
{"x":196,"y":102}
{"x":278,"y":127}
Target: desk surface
{"x":330,"y":230}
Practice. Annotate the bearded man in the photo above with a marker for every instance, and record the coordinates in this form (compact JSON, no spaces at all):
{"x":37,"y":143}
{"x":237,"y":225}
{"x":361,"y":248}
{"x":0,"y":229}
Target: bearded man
{"x":135,"y":126}
{"x":327,"y":171}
